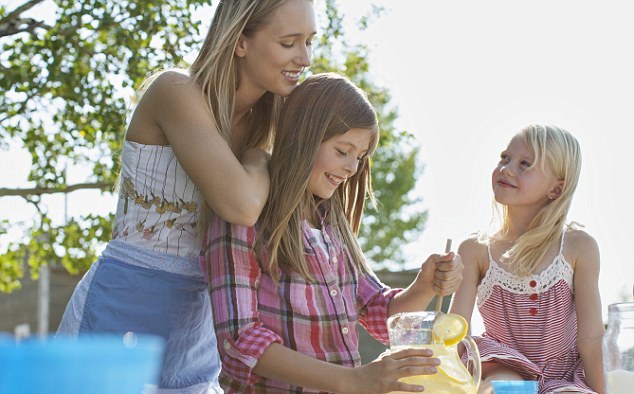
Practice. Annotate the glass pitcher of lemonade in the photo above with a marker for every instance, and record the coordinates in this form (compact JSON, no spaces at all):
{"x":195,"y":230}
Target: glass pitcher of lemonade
{"x":442,"y":336}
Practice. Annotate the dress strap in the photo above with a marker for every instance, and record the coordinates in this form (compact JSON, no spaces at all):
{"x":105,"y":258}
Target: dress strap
{"x":488,"y":245}
{"x":561,"y":244}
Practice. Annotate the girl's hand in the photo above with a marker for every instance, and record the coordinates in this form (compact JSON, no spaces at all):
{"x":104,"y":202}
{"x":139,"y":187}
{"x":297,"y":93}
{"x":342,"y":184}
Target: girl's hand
{"x":382,"y":374}
{"x":443,"y":272}
{"x":439,"y":274}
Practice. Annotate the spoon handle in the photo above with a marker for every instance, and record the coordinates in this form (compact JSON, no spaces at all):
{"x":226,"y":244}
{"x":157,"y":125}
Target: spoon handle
{"x":439,"y":298}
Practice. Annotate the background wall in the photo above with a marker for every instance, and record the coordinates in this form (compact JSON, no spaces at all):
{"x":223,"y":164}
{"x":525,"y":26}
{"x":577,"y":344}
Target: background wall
{"x":20,"y":307}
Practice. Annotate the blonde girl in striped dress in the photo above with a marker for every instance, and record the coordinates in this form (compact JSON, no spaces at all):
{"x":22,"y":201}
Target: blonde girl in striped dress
{"x":534,"y":278}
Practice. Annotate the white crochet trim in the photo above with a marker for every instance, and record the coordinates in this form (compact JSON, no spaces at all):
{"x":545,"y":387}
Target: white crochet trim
{"x":558,"y":270}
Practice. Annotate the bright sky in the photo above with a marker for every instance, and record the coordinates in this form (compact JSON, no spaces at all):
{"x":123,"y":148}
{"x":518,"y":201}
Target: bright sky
{"x":467,"y":75}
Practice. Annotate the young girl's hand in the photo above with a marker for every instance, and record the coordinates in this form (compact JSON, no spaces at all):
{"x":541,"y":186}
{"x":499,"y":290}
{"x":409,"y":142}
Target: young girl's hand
{"x":442,"y":272}
{"x":382,"y":374}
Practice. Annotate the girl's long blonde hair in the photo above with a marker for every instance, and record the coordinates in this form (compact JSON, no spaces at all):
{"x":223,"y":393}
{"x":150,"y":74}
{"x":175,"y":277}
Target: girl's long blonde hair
{"x":558,"y":149}
{"x":323,"y":106}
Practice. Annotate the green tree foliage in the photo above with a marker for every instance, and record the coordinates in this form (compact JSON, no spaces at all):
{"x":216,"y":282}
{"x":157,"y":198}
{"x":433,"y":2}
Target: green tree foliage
{"x":65,"y":86}
{"x":67,"y":81}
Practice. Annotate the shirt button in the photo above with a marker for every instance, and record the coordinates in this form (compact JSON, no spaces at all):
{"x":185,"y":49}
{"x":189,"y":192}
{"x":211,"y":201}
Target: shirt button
{"x":333,"y":292}
{"x":533,"y":283}
{"x":345,"y":330}
{"x":334,"y":259}
{"x":533,"y":311}
{"x":227,"y":345}
{"x":534,"y":297}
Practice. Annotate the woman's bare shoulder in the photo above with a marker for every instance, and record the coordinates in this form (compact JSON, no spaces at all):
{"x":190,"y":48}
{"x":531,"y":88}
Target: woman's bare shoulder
{"x":171,"y":101}
{"x":169,"y":83}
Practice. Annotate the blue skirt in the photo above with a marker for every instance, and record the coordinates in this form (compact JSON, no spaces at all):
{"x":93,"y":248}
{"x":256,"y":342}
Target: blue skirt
{"x":118,"y":296}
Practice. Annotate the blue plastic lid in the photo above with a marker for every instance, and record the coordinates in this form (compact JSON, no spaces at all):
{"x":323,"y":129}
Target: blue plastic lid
{"x":515,"y":386}
{"x":98,"y":364}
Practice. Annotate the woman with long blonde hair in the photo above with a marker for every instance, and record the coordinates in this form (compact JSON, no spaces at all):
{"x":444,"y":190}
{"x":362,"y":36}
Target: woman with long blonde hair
{"x":197,"y":142}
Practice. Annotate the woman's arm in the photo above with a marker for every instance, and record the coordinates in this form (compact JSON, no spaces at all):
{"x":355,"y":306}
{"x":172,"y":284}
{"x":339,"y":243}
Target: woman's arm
{"x":590,"y":327}
{"x":173,"y":106}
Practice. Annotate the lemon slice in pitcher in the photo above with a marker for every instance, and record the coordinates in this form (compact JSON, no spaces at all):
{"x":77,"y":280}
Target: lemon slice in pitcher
{"x":449,"y":329}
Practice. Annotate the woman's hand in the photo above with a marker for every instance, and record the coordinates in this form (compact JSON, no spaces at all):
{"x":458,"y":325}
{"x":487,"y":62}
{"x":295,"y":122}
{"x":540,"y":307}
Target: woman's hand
{"x":382,"y":374}
{"x":256,"y":158}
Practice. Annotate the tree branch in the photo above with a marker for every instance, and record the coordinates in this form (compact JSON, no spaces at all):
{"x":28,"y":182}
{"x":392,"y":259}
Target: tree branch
{"x":36,"y":191}
{"x":27,"y":25}
{"x":24,"y":7}
{"x":12,"y":23}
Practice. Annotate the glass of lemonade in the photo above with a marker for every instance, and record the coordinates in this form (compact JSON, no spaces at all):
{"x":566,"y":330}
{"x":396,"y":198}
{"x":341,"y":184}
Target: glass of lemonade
{"x":414,"y":330}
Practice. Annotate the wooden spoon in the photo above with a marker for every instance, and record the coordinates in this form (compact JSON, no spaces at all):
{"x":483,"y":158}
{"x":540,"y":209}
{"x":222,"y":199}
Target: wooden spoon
{"x":439,"y":298}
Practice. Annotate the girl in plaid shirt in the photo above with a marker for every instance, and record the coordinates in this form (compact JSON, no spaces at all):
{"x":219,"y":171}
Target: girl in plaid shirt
{"x":287,"y":293}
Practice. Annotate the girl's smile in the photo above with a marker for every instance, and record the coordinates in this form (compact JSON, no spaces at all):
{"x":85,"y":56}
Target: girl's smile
{"x":503,"y":182}
{"x":338,"y":159}
{"x":336,"y":180}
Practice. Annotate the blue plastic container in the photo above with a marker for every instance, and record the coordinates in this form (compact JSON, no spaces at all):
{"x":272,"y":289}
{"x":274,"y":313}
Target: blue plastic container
{"x":515,"y":387}
{"x":95,"y":364}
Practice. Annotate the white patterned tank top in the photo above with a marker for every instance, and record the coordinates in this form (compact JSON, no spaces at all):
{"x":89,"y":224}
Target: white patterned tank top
{"x":158,"y":204}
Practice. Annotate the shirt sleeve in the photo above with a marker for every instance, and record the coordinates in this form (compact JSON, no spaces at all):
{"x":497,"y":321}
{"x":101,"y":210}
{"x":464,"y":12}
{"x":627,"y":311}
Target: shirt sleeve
{"x":373,"y":299}
{"x":234,"y":278}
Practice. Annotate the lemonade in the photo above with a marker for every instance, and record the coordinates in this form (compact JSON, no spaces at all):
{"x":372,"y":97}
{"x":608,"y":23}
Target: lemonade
{"x":452,"y":377}
{"x":440,"y":333}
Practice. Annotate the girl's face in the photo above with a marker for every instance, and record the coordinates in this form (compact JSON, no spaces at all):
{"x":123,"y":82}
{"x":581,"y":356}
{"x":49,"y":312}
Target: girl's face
{"x":337,"y":160}
{"x":272,"y":58}
{"x":516,"y":183}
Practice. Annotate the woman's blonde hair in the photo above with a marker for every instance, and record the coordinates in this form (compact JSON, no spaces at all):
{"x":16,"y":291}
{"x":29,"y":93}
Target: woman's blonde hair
{"x":216,"y":69}
{"x":323,"y":106}
{"x":558,"y":150}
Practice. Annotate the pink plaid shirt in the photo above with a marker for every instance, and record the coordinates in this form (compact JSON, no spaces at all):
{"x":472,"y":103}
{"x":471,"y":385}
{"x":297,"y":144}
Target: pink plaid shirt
{"x":317,"y":319}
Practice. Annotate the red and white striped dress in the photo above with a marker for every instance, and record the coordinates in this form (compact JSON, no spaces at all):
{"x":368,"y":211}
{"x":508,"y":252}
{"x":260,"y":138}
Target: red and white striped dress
{"x":531,"y":325}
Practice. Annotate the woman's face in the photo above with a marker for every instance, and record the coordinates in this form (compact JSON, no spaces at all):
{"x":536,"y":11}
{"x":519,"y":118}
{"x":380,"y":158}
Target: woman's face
{"x":337,"y":160}
{"x":272,"y":58}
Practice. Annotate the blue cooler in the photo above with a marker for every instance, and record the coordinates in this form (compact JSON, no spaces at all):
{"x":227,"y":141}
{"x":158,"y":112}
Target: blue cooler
{"x":515,"y":387}
{"x":95,"y":364}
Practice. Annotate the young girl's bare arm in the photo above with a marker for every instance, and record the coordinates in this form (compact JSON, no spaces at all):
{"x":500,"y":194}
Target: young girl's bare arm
{"x":588,"y":305}
{"x":464,"y":299}
{"x":380,"y":376}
